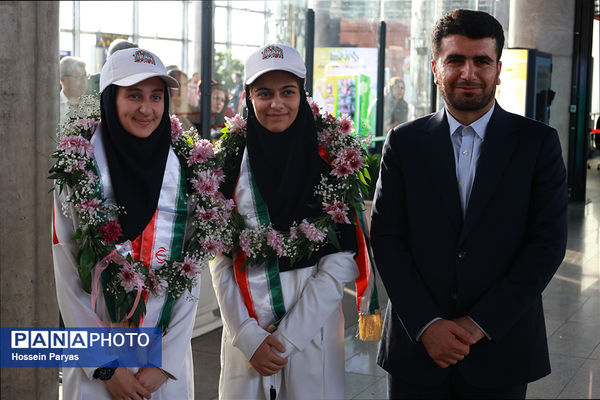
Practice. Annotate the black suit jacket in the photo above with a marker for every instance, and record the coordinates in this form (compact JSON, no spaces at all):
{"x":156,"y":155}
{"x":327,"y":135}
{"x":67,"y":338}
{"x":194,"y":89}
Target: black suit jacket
{"x":492,"y":265}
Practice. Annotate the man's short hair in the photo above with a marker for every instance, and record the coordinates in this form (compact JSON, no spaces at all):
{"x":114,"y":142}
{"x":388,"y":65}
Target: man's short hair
{"x":68,"y":64}
{"x":470,"y":23}
{"x":120,"y":44}
{"x":395,"y":80}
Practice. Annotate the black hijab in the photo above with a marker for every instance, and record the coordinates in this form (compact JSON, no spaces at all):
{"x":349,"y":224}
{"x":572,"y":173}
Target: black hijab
{"x":287,"y":168}
{"x":136,"y":165}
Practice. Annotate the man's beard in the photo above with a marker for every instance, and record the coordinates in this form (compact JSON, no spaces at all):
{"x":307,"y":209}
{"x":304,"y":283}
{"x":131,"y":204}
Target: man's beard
{"x":473,"y":103}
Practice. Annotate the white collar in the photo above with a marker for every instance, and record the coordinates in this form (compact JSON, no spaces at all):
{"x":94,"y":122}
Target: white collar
{"x":478,"y":126}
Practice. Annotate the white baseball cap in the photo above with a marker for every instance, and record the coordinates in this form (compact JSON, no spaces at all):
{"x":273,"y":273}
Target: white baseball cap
{"x":129,"y":66}
{"x":272,"y":57}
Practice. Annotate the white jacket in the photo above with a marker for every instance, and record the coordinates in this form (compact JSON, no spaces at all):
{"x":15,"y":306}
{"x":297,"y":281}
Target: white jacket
{"x":76,"y":311}
{"x":312,"y":331}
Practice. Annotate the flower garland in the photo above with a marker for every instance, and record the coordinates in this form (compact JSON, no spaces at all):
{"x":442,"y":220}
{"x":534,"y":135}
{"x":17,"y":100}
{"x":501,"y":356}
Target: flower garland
{"x":216,"y":225}
{"x":99,"y":231}
{"x":338,"y":193}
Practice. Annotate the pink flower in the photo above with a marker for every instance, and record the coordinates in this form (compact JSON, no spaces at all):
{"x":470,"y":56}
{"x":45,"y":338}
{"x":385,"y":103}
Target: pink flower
{"x":228,"y":204}
{"x":202,"y":151}
{"x":275,"y":240}
{"x":293,"y":233}
{"x":129,"y":278}
{"x":80,"y":166}
{"x":212,"y":246}
{"x":89,"y":124}
{"x":90,"y":207}
{"x":236,"y":123}
{"x":206,"y":215}
{"x":347,"y":162}
{"x":311,"y":232}
{"x":188,"y":267}
{"x":176,"y":129}
{"x":329,"y":116}
{"x":155,"y":283}
{"x":341,"y":171}
{"x":338,"y":212}
{"x":346,"y":124}
{"x":111,"y":231}
{"x":218,"y":174}
{"x":206,"y":183}
{"x":76,"y":145}
{"x":314,"y":107}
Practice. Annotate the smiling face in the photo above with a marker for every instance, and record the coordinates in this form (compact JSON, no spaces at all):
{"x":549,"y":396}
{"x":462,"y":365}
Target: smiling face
{"x":467,"y":72}
{"x":140,"y":107}
{"x":275,"y":97}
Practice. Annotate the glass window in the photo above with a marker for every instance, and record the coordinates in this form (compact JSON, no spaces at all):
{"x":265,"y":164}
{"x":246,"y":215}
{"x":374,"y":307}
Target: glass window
{"x":88,"y":53}
{"x":104,"y":16}
{"x":242,"y":52}
{"x":160,"y":18}
{"x":65,"y":15}
{"x":66,"y":42}
{"x":220,"y":24}
{"x":240,"y":21}
{"x":252,"y":5}
{"x":169,"y":51}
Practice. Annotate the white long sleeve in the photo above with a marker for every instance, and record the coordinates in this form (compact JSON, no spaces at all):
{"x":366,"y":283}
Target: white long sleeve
{"x":246,"y":333}
{"x":321,"y":295}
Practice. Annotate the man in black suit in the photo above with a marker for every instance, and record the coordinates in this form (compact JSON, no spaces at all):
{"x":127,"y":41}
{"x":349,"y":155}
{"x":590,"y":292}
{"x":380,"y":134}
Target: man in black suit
{"x":469,"y":225}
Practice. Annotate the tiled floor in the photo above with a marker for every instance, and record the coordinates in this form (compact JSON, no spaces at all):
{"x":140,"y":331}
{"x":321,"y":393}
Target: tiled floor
{"x":572,"y":308}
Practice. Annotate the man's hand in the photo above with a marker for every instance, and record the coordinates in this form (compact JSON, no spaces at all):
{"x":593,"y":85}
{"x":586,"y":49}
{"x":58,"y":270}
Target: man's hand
{"x":468,"y":324}
{"x":264,"y":360}
{"x":446,"y":342}
{"x":124,"y":385}
{"x":151,"y":378}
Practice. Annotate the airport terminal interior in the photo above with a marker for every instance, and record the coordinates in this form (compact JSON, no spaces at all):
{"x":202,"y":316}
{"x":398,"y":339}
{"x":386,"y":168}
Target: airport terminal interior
{"x":369,"y":59}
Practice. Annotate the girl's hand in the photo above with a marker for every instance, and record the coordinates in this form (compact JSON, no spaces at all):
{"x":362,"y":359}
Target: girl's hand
{"x":124,"y":385}
{"x":151,"y":378}
{"x":264,"y":360}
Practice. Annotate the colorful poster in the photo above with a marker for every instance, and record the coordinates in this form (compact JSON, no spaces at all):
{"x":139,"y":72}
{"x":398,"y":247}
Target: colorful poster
{"x":345,"y":82}
{"x":512,"y":91}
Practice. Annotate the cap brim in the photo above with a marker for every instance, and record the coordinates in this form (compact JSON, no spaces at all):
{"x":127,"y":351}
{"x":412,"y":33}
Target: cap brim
{"x":136,"y":78}
{"x":274,"y":68}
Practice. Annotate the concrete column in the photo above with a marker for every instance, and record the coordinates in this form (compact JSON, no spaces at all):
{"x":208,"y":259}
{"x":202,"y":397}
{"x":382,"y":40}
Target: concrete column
{"x":547,"y":25}
{"x":28,"y":117}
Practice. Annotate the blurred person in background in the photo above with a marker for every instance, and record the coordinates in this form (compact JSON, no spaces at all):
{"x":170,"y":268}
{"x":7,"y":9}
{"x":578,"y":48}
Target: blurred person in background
{"x":73,"y":81}
{"x":236,"y":92}
{"x":192,"y":85}
{"x":396,"y":108}
{"x":219,"y":97}
{"x":179,"y":99}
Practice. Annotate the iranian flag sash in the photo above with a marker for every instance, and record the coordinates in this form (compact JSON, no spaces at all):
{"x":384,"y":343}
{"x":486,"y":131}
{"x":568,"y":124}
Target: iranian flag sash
{"x":162,"y":239}
{"x":260,"y":285}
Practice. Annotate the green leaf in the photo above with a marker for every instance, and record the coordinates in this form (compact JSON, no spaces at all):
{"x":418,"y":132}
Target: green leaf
{"x":362,"y":178}
{"x":365,"y":171}
{"x":86,"y":263}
